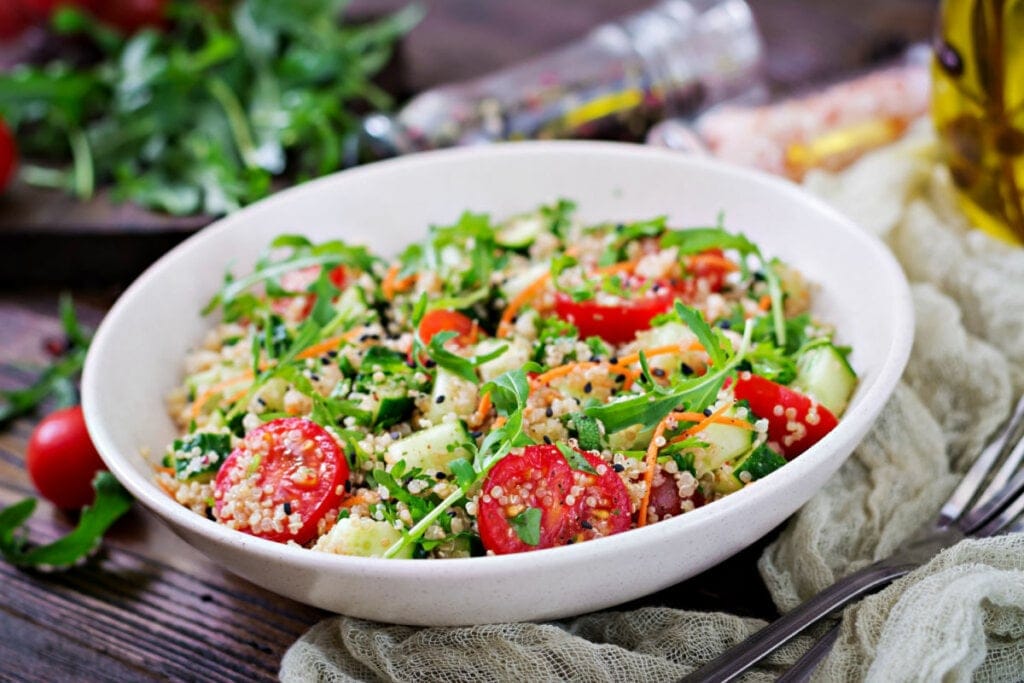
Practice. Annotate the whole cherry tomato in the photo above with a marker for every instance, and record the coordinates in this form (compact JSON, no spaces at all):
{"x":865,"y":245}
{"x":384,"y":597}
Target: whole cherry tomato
{"x":13,"y":19}
{"x":795,"y":421}
{"x":617,"y":323}
{"x":8,"y":155}
{"x":291,"y":466}
{"x":62,"y":460}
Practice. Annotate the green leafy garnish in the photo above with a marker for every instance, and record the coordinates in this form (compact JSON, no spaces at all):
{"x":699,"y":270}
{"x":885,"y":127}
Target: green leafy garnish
{"x":575,"y":460}
{"x":111,"y":502}
{"x":527,"y":526}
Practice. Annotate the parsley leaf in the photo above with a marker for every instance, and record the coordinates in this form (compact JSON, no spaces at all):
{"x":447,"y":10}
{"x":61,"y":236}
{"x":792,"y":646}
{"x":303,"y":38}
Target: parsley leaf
{"x":575,"y":460}
{"x":527,"y":526}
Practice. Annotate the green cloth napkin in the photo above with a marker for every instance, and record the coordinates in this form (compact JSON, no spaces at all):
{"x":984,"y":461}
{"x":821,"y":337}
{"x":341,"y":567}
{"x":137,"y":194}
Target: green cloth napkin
{"x":957,"y":618}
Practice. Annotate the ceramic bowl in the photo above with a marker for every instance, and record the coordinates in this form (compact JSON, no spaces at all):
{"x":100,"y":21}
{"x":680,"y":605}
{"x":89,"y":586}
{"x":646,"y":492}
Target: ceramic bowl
{"x":136,"y":359}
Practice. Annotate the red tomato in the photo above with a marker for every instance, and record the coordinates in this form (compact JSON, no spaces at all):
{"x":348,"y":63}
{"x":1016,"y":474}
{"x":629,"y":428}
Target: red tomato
{"x":41,"y":10}
{"x":8,"y":153}
{"x":665,"y":496}
{"x":575,"y":505}
{"x":443,"y":320}
{"x":61,"y":459}
{"x":619,"y":323}
{"x":795,"y":421}
{"x":131,"y":15}
{"x":302,"y":465}
{"x":299,"y":281}
{"x":13,"y":21}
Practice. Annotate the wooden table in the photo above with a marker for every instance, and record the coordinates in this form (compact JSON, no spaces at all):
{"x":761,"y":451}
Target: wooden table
{"x":150,"y":607}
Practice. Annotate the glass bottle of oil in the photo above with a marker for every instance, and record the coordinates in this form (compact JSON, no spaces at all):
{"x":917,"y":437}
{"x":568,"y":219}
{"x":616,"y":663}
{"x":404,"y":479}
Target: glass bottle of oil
{"x":978,"y":106}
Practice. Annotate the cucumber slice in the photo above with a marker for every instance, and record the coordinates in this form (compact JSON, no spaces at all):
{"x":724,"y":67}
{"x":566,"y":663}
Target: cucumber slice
{"x":665,"y":335}
{"x":725,"y":443}
{"x":432,"y":449}
{"x":393,"y":404}
{"x":451,"y":394}
{"x":517,"y":354}
{"x":825,"y":375}
{"x":517,"y":283}
{"x":520,"y":232}
{"x":363,"y":537}
{"x":759,"y":462}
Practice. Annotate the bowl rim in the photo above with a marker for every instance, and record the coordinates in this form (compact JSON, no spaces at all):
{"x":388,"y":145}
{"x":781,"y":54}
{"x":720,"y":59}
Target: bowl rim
{"x":845,"y":436}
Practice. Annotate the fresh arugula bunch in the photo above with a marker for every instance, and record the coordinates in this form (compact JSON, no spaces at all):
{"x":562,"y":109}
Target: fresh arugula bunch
{"x":201,"y":118}
{"x":684,"y":393}
{"x":110,"y":503}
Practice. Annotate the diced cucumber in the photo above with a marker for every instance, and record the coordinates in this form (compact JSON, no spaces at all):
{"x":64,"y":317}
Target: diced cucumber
{"x":393,"y":403}
{"x":363,"y":537}
{"x":520,"y":232}
{"x":758,"y":463}
{"x":516,"y":356}
{"x":666,"y":335}
{"x":725,"y":443}
{"x":517,"y":283}
{"x":432,"y":449}
{"x":352,"y":307}
{"x":390,"y":395}
{"x":630,"y":438}
{"x":451,"y":394}
{"x":825,"y":375}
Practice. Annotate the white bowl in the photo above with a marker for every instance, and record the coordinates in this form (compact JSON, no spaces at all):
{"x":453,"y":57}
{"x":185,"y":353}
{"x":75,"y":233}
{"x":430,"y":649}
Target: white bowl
{"x":136,"y":359}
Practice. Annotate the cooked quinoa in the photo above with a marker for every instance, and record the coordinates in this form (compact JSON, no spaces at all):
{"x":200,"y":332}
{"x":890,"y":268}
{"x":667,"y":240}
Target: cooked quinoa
{"x":501,"y":386}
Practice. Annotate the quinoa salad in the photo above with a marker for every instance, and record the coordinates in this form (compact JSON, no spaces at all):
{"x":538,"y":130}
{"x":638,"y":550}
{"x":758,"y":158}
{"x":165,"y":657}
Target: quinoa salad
{"x":505,"y":385}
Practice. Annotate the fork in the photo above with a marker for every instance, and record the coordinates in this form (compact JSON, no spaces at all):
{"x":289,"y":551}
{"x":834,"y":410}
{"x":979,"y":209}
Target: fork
{"x":986,"y":502}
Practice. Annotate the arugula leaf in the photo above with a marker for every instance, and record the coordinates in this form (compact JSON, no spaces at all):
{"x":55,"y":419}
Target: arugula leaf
{"x":575,"y":460}
{"x":696,"y":240}
{"x":694,"y":319}
{"x":111,"y":502}
{"x":559,"y":217}
{"x":453,"y":362}
{"x":527,"y":526}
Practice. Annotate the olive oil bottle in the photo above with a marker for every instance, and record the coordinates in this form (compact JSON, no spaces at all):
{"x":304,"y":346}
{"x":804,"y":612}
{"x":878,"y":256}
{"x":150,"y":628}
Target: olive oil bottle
{"x":978,"y":107}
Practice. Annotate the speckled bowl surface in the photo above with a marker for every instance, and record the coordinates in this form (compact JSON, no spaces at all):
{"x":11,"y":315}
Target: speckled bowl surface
{"x":136,"y":359}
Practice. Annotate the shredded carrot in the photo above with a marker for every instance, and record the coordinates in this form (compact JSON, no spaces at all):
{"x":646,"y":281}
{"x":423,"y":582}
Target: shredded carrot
{"x":562,"y":370}
{"x":390,"y":285}
{"x":712,"y":260}
{"x":705,"y":422}
{"x":651,"y":461}
{"x":483,"y":408}
{"x":164,"y":470}
{"x":329,"y":344}
{"x":624,"y":267}
{"x":216,"y":389}
{"x":520,"y":300}
{"x":658,"y":351}
{"x":764,"y":303}
{"x":499,"y":422}
{"x":352,"y":501}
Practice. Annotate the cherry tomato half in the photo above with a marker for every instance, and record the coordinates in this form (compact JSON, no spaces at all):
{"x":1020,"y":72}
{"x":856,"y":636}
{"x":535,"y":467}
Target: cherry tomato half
{"x":619,"y":323}
{"x":795,"y":421}
{"x":8,"y":155}
{"x":443,"y":320}
{"x":61,"y":459}
{"x":706,"y":272}
{"x":300,"y":281}
{"x":574,"y":505}
{"x":299,"y":463}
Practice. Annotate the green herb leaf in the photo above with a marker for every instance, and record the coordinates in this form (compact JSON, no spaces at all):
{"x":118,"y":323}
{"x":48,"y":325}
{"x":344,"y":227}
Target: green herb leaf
{"x":575,"y":460}
{"x":696,"y":240}
{"x":111,"y":502}
{"x":527,"y":526}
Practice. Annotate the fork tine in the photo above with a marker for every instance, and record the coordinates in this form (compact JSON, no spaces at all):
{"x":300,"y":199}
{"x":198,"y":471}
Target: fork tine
{"x":980,"y":472}
{"x":999,"y":512}
{"x":1005,"y":473}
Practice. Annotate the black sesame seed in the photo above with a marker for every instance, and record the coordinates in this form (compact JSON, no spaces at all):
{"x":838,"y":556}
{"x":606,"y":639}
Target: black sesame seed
{"x":587,"y":388}
{"x":619,"y":227}
{"x":549,"y":412}
{"x":430,"y":363}
{"x":261,"y":401}
{"x":725,"y":324}
{"x":287,"y":508}
{"x":620,"y":378}
{"x":656,"y":287}
{"x":439,"y":399}
{"x":547,"y":439}
{"x":348,"y":486}
{"x":614,"y":360}
{"x":476,"y":434}
{"x":315,"y":377}
{"x":594,"y":359}
{"x":685,"y":369}
{"x":325,"y":360}
{"x":618,"y":468}
{"x":332,"y":354}
{"x":441,"y":475}
{"x":209,"y":514}
{"x":760,"y":276}
{"x":708,"y":412}
{"x":658,"y":372}
{"x":586,"y":525}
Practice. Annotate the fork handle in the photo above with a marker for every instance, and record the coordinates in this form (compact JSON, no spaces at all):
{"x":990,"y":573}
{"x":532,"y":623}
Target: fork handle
{"x":745,"y":654}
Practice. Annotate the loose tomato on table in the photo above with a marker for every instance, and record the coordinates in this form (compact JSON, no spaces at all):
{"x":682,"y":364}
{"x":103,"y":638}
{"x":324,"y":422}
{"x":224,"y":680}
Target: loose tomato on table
{"x":293,"y":461}
{"x":444,"y":320}
{"x":574,"y":505}
{"x":617,"y":323}
{"x":795,"y":421}
{"x":62,"y":460}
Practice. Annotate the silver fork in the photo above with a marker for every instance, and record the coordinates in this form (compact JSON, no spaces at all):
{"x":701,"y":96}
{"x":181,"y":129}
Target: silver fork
{"x":986,"y":502}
